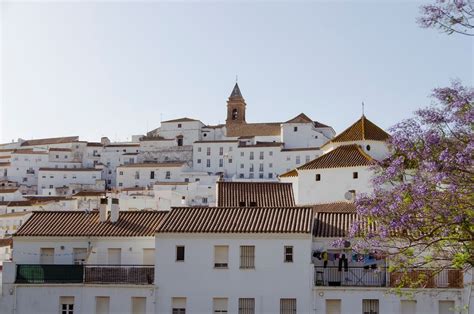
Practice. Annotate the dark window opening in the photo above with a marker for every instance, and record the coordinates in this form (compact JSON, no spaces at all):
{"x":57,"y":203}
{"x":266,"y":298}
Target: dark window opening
{"x":234,"y":114}
{"x":367,"y":147}
{"x":355,"y":175}
{"x":318,"y":177}
{"x":180,"y":253}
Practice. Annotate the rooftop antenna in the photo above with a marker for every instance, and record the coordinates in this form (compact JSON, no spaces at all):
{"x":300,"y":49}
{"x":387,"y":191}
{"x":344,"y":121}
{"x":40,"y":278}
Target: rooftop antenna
{"x":363,"y":108}
{"x":236,"y":79}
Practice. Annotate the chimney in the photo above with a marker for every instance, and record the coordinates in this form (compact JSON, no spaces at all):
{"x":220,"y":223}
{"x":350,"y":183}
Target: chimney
{"x":114,"y":210}
{"x":103,"y":209}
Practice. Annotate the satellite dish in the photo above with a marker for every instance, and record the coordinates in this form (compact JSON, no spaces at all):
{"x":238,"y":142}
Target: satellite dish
{"x":348,"y":196}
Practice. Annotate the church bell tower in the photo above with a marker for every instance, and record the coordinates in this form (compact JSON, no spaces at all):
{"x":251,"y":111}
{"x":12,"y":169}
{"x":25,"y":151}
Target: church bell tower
{"x":235,"y":107}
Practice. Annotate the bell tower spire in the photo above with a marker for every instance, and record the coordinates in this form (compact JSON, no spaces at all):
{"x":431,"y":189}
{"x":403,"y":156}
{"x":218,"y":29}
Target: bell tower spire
{"x":236,"y":107}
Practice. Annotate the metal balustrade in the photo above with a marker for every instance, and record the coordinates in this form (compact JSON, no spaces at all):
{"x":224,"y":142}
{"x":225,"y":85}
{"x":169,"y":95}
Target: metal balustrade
{"x":96,"y":274}
{"x":380,"y":277}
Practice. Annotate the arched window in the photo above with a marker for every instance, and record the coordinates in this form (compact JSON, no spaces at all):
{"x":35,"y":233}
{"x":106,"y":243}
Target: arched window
{"x":234,"y":114}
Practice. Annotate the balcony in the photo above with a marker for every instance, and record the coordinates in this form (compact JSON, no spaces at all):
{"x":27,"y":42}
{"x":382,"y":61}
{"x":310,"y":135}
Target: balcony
{"x":380,"y":277}
{"x":85,"y":274}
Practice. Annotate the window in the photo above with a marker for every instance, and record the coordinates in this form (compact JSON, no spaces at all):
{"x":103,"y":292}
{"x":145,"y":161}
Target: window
{"x":367,"y":147}
{"x":121,"y":173}
{"x":235,"y":114}
{"x":270,"y":175}
{"x":370,"y":306}
{"x":318,"y":177}
{"x":247,"y":256}
{"x":219,"y":305}
{"x":260,"y":175}
{"x":208,"y":163}
{"x":260,"y":167}
{"x":79,"y":255}
{"x":288,"y":254}
{"x":295,"y":129}
{"x":251,"y":175}
{"x":306,"y":158}
{"x":180,"y":141}
{"x":230,"y":160}
{"x":246,"y":306}
{"x":102,"y":305}
{"x":242,"y":154}
{"x":46,"y":255}
{"x":287,"y":306}
{"x":138,"y":305}
{"x":114,"y":256}
{"x":204,"y":200}
{"x":288,"y":158}
{"x":241,"y":175}
{"x":230,"y":148}
{"x":199,"y":149}
{"x":446,"y":307}
{"x":179,"y":125}
{"x":221,"y":163}
{"x":120,"y":184}
{"x":221,"y":256}
{"x":221,"y":151}
{"x":66,"y":305}
{"x":251,"y":156}
{"x":298,"y":161}
{"x":408,"y":306}
{"x":152,"y":174}
{"x":251,"y":167}
{"x":179,"y":305}
{"x":148,"y":256}
{"x":261,"y":156}
{"x":180,"y":253}
{"x":57,"y":156}
{"x":168,"y":175}
{"x":355,"y":175}
{"x":270,"y":165}
{"x":333,"y":306}
{"x":270,"y":153}
{"x":199,"y":161}
{"x":137,"y":175}
{"x":208,"y":151}
{"x":241,"y":166}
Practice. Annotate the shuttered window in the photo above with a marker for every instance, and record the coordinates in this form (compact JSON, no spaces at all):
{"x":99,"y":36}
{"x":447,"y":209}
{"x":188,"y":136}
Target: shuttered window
{"x":179,"y":305}
{"x":246,"y":306}
{"x":288,"y":254}
{"x":370,"y":306}
{"x":219,"y":305}
{"x":287,"y":306}
{"x":247,"y":256}
{"x":221,"y":256}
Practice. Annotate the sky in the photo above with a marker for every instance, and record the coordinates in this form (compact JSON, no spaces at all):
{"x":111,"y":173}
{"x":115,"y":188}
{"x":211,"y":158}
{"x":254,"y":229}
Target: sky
{"x":117,"y":69}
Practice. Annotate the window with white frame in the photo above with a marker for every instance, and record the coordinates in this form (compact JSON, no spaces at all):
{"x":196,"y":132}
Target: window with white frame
{"x":221,"y":256}
{"x":288,"y":254}
{"x":221,"y":163}
{"x":66,"y":305}
{"x":247,"y":256}
{"x":261,"y":155}
{"x":208,"y":151}
{"x":168,"y":175}
{"x":246,"y":306}
{"x":208,"y":163}
{"x":221,"y":151}
{"x":219,"y":305}
{"x":251,"y":156}
{"x":298,"y":160}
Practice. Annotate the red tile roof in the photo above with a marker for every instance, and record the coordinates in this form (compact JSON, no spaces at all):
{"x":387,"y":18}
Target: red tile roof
{"x":362,"y":129}
{"x":262,"y":194}
{"x":291,"y":173}
{"x":337,"y":224}
{"x":254,"y":129}
{"x":29,"y":152}
{"x":342,"y":156}
{"x":90,"y":193}
{"x":82,"y":224}
{"x":301,"y":118}
{"x":53,"y":149}
{"x":52,"y":140}
{"x":8,"y":190}
{"x":238,"y":220}
{"x":336,"y":207}
{"x":69,"y":169}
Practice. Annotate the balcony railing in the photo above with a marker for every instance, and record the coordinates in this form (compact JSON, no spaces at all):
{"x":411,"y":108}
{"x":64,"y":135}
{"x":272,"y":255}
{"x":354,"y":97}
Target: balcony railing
{"x":353,"y":277}
{"x":380,"y":277}
{"x":97,"y":274}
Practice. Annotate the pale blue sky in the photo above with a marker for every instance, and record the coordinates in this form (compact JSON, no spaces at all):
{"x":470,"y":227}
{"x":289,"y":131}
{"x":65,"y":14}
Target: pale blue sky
{"x":95,"y":69}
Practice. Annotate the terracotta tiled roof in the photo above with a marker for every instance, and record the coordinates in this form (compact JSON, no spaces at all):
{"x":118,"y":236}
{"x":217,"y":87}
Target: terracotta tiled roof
{"x":47,"y":198}
{"x":320,"y":125}
{"x":69,"y":169}
{"x":153,"y":165}
{"x":82,"y":224}
{"x":291,"y":173}
{"x":20,"y":203}
{"x":6,"y":150}
{"x":336,"y":225}
{"x":6,"y":242}
{"x":59,"y":149}
{"x":218,"y":126}
{"x":53,"y":140}
{"x":4,"y":164}
{"x":218,"y":141}
{"x":171,"y":183}
{"x":29,"y":152}
{"x":342,"y":156}
{"x":90,"y":193}
{"x":301,"y":118}
{"x":5,"y":157}
{"x":254,"y":129}
{"x":94,"y":144}
{"x":336,"y":207}
{"x":237,"y":220}
{"x":8,"y":190}
{"x":300,"y":149}
{"x":185,"y":119}
{"x":257,"y":194}
{"x":362,"y":129}
{"x":124,"y":145}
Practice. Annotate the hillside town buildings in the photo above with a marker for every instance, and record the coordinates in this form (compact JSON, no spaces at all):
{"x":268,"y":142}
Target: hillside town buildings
{"x":193,"y":218}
